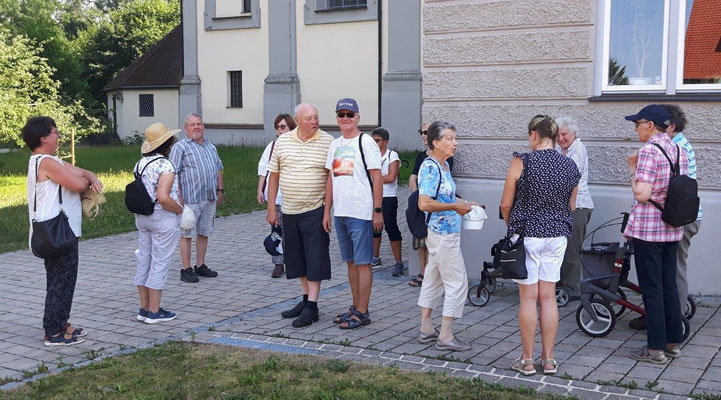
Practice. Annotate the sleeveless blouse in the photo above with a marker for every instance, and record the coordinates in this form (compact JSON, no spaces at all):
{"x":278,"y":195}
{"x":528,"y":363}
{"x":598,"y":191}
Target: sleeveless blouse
{"x":48,"y":202}
{"x":541,"y":208}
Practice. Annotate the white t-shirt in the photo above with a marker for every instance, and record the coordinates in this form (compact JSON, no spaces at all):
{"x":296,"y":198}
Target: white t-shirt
{"x":352,"y":195}
{"x":48,"y":202}
{"x":389,"y":189}
{"x":263,"y":171}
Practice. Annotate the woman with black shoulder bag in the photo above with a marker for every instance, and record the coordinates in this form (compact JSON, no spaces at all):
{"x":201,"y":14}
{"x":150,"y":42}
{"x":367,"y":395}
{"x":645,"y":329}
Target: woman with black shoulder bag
{"x":538,"y":198}
{"x":55,"y":211}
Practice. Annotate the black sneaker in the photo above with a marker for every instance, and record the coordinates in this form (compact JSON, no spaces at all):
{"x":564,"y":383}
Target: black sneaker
{"x":307,"y":317}
{"x":204,"y":271}
{"x":293,"y":312}
{"x":187,"y":275}
{"x":638,"y":324}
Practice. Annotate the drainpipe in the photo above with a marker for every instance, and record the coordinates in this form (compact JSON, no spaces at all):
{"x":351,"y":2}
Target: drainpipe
{"x":380,"y":60}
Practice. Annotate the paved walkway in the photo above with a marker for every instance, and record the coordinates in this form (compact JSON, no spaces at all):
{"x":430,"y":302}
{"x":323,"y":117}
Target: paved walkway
{"x":242,"y":306}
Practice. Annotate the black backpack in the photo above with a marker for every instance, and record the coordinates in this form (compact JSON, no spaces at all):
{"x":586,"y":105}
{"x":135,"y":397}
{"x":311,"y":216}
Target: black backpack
{"x":417,"y":220}
{"x":682,"y":201}
{"x":137,"y":199}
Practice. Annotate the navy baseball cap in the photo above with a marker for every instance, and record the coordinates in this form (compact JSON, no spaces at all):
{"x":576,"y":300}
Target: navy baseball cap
{"x":347,"y":104}
{"x":654,"y":113}
{"x":273,"y":242}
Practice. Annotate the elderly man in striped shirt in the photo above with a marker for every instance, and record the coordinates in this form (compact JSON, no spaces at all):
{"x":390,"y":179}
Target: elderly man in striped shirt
{"x":297,"y":166}
{"x":200,"y":180}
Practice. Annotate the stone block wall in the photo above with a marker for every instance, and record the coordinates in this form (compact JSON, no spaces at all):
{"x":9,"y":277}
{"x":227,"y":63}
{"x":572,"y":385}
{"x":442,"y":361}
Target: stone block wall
{"x":489,"y":66}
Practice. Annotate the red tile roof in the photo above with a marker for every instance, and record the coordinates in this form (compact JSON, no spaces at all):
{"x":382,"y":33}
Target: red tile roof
{"x":703,"y":37}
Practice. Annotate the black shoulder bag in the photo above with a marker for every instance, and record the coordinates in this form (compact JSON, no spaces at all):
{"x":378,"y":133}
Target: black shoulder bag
{"x":53,"y":237}
{"x":511,"y":256}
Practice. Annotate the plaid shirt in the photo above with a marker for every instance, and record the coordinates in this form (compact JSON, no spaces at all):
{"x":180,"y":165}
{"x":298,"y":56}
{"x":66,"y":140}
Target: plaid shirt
{"x":645,"y":221}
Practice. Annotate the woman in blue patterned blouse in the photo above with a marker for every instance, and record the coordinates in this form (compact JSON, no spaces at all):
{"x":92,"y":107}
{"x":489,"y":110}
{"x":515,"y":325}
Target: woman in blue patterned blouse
{"x":446,"y":271}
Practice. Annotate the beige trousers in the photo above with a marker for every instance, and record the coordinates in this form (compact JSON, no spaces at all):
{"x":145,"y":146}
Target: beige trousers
{"x":445,"y":273}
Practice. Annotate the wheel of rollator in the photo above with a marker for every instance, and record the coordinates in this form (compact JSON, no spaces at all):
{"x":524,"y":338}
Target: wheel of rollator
{"x":690,"y":309}
{"x":686,"y":329}
{"x":491,"y":285}
{"x":617,"y":308}
{"x":562,"y":296}
{"x":478,"y":298}
{"x":605,"y":315}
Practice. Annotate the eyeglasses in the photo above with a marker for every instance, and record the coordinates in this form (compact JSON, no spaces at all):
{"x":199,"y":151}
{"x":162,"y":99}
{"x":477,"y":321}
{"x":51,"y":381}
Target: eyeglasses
{"x":280,"y":127}
{"x":422,"y":132}
{"x":349,"y":114}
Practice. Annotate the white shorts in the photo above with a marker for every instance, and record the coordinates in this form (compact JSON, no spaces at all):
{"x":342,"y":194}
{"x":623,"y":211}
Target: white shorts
{"x":544,"y":257}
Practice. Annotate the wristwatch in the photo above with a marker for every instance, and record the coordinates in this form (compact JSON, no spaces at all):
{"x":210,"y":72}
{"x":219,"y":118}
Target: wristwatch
{"x":378,"y":209}
{"x":220,"y":190}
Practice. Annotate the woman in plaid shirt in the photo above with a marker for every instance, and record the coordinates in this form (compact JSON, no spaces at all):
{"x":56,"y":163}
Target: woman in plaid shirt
{"x":654,"y":241}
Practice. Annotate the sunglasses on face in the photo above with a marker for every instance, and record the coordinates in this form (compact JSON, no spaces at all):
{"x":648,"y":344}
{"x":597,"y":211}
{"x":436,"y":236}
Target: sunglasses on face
{"x":423,"y":132}
{"x":279,"y":127}
{"x":349,"y":114}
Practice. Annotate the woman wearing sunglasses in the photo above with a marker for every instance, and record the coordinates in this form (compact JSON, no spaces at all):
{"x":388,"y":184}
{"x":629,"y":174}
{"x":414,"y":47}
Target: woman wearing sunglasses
{"x":419,"y":244}
{"x":283,"y":123}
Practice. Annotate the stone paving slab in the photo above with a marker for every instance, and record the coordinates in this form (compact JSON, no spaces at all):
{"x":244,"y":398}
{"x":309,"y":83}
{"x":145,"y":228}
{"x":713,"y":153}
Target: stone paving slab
{"x":241,"y":307}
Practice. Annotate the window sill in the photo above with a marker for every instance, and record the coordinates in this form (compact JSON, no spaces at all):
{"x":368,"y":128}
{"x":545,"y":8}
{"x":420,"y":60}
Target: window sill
{"x":656,"y":97}
{"x":346,"y":8}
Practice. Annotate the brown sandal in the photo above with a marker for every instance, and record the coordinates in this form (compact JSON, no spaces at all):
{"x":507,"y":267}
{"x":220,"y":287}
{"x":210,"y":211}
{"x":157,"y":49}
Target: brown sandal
{"x":417,"y":281}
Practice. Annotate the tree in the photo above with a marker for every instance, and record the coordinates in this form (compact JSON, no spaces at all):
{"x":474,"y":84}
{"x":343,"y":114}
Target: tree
{"x":28,"y":89}
{"x":54,"y":24}
{"x":616,"y":73}
{"x":128,"y":31}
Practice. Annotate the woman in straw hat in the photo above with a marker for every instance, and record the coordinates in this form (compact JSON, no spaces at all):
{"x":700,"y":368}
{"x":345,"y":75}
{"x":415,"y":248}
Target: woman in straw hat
{"x":54,"y":186}
{"x":159,"y":231}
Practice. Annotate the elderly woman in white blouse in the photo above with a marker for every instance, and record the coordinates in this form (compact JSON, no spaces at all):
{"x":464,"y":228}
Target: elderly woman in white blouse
{"x":569,"y":144}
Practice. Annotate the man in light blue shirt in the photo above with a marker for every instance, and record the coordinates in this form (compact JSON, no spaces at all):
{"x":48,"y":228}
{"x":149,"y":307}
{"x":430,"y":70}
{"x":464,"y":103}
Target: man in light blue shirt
{"x":200,"y":179}
{"x":675,"y":130}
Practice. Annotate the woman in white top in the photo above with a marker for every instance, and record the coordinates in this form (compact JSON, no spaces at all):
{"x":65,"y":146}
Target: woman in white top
{"x":283,"y":123}
{"x":159,"y":232}
{"x":390,"y":164}
{"x":47,"y":174}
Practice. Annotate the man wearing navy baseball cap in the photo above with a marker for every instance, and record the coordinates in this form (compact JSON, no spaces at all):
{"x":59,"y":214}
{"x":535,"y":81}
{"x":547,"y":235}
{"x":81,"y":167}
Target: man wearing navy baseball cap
{"x":355,"y":190}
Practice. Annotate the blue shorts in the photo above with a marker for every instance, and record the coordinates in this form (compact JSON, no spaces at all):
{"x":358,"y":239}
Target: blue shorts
{"x":355,"y":238}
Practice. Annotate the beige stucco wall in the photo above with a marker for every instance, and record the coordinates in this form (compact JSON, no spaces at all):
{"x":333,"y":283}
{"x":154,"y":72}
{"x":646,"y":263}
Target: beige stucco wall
{"x":489,"y":66}
{"x":221,"y":51}
{"x":336,"y":61}
{"x":130,"y":123}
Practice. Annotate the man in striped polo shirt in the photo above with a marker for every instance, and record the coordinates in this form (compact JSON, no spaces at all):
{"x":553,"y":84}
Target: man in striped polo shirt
{"x":200,"y":181}
{"x":297,"y":166}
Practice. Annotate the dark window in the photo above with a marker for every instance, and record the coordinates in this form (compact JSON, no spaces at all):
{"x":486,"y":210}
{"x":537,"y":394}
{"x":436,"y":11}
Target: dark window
{"x":236,"y":89}
{"x":341,"y":4}
{"x":246,"y":6}
{"x":146,"y":105}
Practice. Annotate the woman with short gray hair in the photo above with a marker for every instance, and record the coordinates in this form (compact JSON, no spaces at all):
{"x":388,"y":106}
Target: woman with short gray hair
{"x":446,"y":271}
{"x":569,"y":145}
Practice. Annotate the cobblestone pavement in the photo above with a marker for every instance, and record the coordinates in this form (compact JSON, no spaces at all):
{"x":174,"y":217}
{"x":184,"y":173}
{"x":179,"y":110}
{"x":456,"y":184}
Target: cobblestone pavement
{"x":241,"y":307}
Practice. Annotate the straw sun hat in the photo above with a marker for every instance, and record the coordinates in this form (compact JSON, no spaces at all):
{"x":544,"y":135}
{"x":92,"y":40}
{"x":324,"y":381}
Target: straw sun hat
{"x":155,"y":135}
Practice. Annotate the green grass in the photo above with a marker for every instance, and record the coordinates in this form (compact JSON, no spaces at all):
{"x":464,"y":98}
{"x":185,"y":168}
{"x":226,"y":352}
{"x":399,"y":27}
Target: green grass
{"x":193,"y":371}
{"x":113,"y":166}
